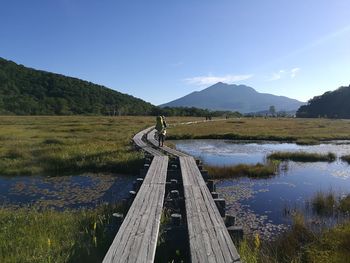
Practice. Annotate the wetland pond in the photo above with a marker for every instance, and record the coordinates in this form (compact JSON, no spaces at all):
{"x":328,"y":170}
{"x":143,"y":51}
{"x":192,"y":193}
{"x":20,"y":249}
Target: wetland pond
{"x":62,"y":192}
{"x":264,"y":205}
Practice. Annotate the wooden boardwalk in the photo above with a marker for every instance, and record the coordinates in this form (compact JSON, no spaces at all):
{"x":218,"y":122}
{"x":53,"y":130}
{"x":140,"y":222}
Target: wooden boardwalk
{"x":165,"y":149}
{"x":208,"y":236}
{"x":144,"y":146}
{"x":137,"y":238}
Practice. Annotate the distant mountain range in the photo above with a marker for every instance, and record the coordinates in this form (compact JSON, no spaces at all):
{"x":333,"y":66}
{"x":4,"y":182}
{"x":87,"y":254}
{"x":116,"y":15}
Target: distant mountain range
{"x":26,"y":91}
{"x":233,"y":97}
{"x":332,"y":104}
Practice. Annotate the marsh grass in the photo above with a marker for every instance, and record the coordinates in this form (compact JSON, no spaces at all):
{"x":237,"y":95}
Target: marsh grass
{"x":307,"y":142}
{"x":29,"y":235}
{"x":302,"y":157}
{"x":303,"y":131}
{"x":344,"y":204}
{"x":346,"y":158}
{"x":328,"y":203}
{"x":58,"y":145}
{"x":324,"y":203}
{"x":301,"y":245}
{"x":287,"y":248}
{"x":16,"y":153}
{"x":240,"y":170}
{"x":52,"y":141}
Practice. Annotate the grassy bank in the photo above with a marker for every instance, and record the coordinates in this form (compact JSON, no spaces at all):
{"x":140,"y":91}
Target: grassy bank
{"x":303,"y":131}
{"x":302,"y":157}
{"x":253,"y":171}
{"x":346,"y":158}
{"x":27,"y":235}
{"x":71,"y":144}
{"x":299,"y":244}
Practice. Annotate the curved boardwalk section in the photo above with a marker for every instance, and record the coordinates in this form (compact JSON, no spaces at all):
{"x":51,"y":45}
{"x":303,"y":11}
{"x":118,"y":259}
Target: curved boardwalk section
{"x":137,"y":237}
{"x":166,"y":149}
{"x":144,"y":146}
{"x":208,"y":237}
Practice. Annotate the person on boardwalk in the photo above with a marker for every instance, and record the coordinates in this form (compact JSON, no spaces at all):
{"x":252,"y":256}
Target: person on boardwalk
{"x":161,"y":129}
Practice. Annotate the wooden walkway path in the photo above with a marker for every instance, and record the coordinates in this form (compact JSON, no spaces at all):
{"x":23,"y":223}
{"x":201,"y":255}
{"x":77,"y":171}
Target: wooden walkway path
{"x":208,"y":236}
{"x":144,"y":146}
{"x":137,"y":238}
{"x":166,"y":149}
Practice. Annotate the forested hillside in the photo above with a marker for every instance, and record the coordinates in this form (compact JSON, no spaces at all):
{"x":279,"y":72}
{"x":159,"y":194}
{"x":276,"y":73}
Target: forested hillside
{"x":26,"y":91}
{"x":332,"y":104}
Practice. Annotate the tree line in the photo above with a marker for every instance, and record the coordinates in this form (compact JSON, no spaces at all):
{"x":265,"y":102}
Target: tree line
{"x":332,"y":104}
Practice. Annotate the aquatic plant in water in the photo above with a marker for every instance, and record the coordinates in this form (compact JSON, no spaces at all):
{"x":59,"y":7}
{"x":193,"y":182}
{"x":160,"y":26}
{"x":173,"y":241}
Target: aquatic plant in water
{"x":302,"y":157}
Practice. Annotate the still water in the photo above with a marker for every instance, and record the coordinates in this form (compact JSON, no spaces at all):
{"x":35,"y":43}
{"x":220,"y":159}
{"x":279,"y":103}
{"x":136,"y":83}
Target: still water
{"x":61,"y":192}
{"x":264,"y":205}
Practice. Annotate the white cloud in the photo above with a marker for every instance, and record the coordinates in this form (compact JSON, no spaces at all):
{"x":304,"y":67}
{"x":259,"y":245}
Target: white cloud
{"x":294,"y":72}
{"x":275,"y":76}
{"x":210,"y":80}
{"x":283,"y":73}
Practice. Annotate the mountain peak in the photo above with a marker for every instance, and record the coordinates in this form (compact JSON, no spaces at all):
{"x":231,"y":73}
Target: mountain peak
{"x":219,"y":84}
{"x":233,"y":97}
{"x":222,"y":85}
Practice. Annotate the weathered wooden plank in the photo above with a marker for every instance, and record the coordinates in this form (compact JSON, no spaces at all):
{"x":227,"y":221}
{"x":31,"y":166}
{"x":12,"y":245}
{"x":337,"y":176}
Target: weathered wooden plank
{"x":137,"y":237}
{"x":157,"y":171}
{"x":207,"y":231}
{"x":200,"y":243}
{"x":213,"y":247}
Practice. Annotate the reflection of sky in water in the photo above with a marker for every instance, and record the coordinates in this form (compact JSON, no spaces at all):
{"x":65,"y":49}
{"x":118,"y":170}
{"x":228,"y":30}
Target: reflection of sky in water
{"x":292,"y":188}
{"x":230,"y":152}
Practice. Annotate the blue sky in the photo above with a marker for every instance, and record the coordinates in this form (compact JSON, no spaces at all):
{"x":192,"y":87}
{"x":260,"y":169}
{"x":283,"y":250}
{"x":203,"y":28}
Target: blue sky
{"x":162,"y":50}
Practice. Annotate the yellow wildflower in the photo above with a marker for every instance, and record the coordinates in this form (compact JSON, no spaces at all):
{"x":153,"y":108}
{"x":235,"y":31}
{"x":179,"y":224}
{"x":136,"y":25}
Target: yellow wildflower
{"x":257,"y":241}
{"x":49,"y":242}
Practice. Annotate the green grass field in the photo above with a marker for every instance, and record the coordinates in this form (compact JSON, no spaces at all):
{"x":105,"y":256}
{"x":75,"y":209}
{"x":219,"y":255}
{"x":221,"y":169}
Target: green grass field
{"x":60,"y":145}
{"x":302,"y":131}
{"x":56,"y":145}
{"x":27,"y":235}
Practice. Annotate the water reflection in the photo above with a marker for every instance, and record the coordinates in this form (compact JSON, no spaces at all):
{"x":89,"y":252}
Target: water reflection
{"x":234,"y":152}
{"x":261,"y":205}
